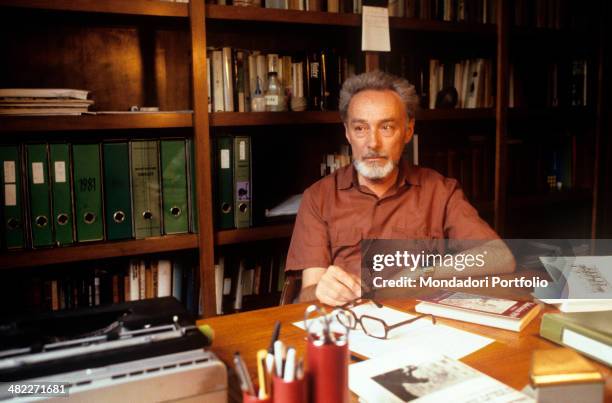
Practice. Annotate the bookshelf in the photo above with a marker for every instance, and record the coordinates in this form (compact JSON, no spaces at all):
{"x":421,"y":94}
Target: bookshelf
{"x":137,"y":7}
{"x":188,"y":29}
{"x":95,"y":122}
{"x":98,"y":250}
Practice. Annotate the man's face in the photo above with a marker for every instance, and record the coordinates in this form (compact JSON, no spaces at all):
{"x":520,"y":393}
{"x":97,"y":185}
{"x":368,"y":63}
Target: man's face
{"x":377,"y":129}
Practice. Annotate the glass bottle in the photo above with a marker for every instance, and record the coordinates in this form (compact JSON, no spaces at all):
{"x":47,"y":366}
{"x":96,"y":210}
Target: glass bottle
{"x":275,"y":99}
{"x":258,"y":102}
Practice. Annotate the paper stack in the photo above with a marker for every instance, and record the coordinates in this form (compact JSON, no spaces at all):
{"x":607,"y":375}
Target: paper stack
{"x":43,"y":101}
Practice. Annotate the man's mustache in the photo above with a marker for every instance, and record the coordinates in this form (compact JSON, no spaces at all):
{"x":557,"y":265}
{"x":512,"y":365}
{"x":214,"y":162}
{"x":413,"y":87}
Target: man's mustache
{"x":373,"y":154}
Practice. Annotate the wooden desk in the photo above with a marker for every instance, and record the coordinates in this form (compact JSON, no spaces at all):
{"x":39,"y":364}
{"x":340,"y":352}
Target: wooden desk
{"x":507,"y":359}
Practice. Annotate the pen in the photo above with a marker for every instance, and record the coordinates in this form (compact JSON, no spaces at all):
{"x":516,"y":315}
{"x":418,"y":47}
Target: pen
{"x":275,"y":335}
{"x":278,"y":357}
{"x":263,"y":387}
{"x":289,"y":375}
{"x":243,"y":375}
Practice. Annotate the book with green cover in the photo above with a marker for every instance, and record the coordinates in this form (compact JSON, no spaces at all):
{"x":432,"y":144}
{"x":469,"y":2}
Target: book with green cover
{"x":39,"y":193}
{"x":12,"y":233}
{"x":174,"y":186}
{"x":587,"y":332}
{"x":63,"y":218}
{"x":117,"y":192}
{"x":224,"y":207}
{"x":87,"y":192}
{"x":146,"y":201}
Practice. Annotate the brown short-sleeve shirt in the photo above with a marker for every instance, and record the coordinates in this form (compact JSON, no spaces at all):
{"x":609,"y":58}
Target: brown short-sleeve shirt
{"x":336,"y":213}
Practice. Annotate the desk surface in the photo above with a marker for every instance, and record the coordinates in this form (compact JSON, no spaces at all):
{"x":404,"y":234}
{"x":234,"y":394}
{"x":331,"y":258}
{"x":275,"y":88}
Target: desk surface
{"x":507,"y":359}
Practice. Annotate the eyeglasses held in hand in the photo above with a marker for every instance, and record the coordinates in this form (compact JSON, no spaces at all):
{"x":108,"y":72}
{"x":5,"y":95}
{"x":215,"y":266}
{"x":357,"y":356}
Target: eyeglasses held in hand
{"x":372,"y":326}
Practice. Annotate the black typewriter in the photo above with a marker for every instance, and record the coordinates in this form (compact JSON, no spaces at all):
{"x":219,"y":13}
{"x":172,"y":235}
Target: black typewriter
{"x":41,"y":345}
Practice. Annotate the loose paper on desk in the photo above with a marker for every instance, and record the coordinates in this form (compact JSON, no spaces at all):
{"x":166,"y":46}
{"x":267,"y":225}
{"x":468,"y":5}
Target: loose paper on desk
{"x":375,"y":29}
{"x":420,"y":335}
{"x":407,"y":376}
{"x":584,"y":277}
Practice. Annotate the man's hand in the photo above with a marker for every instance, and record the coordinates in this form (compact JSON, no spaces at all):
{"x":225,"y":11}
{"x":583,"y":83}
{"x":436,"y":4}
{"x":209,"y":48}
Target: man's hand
{"x":336,"y":287}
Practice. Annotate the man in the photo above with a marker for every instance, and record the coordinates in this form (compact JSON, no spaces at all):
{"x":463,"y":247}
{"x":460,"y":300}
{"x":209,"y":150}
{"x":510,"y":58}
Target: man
{"x":379,"y":196}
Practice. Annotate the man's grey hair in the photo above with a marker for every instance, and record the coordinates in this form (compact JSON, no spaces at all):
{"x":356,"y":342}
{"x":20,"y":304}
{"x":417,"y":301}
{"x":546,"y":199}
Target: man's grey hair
{"x":380,"y":81}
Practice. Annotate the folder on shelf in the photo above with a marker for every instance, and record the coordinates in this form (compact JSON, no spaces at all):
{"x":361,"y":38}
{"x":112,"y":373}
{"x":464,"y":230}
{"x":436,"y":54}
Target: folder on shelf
{"x":174,"y":186}
{"x":117,"y":192}
{"x":242,"y":181}
{"x":144,"y":157}
{"x":12,"y":234}
{"x":87,"y":192}
{"x":39,"y":191}
{"x":61,"y":185}
{"x":193,"y":200}
{"x":225,"y":185}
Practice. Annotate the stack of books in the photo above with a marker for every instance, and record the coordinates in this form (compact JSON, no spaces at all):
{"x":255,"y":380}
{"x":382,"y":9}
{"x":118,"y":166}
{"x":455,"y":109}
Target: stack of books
{"x":43,"y":101}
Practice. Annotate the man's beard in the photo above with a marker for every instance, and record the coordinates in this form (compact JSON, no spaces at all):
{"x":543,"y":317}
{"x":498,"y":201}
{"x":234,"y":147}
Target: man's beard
{"x":374,"y":171}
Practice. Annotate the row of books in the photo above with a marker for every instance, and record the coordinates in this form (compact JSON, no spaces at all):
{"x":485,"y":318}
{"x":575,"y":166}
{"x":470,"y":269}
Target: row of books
{"x":260,"y":278}
{"x":472,"y":165}
{"x":56,"y":194}
{"x":43,"y":101}
{"x":543,"y":166}
{"x":463,"y":84}
{"x":550,"y":14}
{"x":567,"y":84}
{"x":108,"y":283}
{"x":477,"y":11}
{"x":236,"y":77}
{"x":332,"y":162}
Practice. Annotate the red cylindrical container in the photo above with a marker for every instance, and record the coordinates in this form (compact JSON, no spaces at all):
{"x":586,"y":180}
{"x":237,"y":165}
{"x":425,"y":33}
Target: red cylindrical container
{"x":327,"y":370}
{"x":246,"y":398}
{"x":290,"y":392}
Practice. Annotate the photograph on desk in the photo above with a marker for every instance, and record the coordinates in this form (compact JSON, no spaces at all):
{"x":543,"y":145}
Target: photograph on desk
{"x":417,"y":192}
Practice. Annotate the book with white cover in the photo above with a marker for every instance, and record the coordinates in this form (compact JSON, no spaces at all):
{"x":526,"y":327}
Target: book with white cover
{"x":424,"y":377}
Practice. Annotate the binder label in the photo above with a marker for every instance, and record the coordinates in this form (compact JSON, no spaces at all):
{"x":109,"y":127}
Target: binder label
{"x":10,"y":194}
{"x":242,"y":150}
{"x":225,"y":159}
{"x":9,"y":171}
{"x":60,"y":172}
{"x":38,"y":173}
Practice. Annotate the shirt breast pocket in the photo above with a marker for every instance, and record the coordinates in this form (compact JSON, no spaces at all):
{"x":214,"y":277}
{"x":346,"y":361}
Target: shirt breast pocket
{"x":345,"y":243}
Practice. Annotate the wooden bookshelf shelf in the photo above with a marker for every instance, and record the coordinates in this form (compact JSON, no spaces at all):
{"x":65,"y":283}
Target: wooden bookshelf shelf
{"x":551,"y":198}
{"x":131,"y":7}
{"x":273,"y":118}
{"x":455,"y":114}
{"x":225,"y":119}
{"x":231,"y":13}
{"x":415,"y":24}
{"x":254,"y":234}
{"x":569,"y":112}
{"x":98,"y":250}
{"x":95,"y":122}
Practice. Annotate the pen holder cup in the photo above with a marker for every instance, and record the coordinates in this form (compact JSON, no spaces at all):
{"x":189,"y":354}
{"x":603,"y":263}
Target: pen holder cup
{"x":290,"y":392}
{"x":327,"y":371}
{"x":246,"y":398}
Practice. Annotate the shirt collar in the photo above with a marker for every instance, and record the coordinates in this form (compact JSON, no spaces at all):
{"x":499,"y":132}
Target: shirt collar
{"x":408,"y":175}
